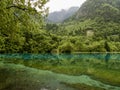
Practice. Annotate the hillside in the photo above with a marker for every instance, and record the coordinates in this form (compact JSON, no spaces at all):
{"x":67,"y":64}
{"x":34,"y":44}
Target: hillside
{"x":100,"y":16}
{"x":93,"y":28}
{"x":60,"y":16}
{"x":106,"y":9}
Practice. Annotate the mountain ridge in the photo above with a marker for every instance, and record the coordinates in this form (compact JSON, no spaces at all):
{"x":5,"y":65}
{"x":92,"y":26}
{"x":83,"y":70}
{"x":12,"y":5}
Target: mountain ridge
{"x":60,"y":16}
{"x":106,"y":9}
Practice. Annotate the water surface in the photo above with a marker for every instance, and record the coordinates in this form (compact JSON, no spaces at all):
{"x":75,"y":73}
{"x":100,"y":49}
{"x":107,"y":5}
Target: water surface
{"x":51,"y":71}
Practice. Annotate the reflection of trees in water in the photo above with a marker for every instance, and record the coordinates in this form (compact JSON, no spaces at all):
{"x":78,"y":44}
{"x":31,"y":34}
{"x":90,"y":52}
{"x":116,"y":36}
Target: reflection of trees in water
{"x":107,"y":57}
{"x":114,"y":63}
{"x":94,"y":59}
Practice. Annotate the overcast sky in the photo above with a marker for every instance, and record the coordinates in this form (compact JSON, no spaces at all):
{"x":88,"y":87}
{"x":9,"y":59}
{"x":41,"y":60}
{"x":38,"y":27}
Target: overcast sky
{"x":57,"y":5}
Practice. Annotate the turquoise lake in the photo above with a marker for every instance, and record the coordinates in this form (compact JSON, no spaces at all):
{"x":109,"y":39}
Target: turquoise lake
{"x":96,"y":71}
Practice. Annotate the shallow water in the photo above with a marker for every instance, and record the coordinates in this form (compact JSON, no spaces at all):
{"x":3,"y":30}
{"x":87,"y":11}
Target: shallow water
{"x":99,"y":56}
{"x":20,"y":76}
{"x":16,"y":76}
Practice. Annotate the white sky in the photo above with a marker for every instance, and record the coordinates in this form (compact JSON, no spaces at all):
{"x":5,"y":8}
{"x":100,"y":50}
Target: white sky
{"x":57,"y":5}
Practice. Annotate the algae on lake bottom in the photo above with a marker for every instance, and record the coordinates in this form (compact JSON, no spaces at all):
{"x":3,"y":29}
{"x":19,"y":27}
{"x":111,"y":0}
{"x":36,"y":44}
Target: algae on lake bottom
{"x":19,"y":77}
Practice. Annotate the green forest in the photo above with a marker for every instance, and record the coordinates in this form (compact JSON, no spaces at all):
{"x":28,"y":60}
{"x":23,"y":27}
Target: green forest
{"x":93,"y":28}
{"x":79,"y":50}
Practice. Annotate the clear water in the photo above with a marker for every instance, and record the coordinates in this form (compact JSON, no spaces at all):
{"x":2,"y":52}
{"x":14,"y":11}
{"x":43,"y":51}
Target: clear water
{"x":99,"y":56}
{"x":13,"y":64}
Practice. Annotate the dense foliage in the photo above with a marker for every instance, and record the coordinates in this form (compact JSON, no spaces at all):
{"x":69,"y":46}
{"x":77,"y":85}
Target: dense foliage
{"x":21,"y":27}
{"x":94,"y":28}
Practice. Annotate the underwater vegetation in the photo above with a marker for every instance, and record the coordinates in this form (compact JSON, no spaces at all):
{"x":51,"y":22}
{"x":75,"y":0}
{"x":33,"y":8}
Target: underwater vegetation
{"x":101,"y":67}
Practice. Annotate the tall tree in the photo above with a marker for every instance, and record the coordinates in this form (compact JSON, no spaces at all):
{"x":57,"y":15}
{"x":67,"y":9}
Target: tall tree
{"x":19,"y":17}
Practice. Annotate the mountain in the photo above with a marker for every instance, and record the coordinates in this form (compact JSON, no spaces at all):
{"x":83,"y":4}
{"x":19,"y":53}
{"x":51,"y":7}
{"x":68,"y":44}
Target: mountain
{"x":99,"y":16}
{"x":109,"y":10}
{"x":95,"y":27}
{"x":60,"y":16}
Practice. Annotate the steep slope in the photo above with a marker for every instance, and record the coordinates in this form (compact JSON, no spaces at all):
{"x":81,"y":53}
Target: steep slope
{"x":106,"y":9}
{"x":95,"y":27}
{"x":100,"y":16}
{"x":60,"y":16}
